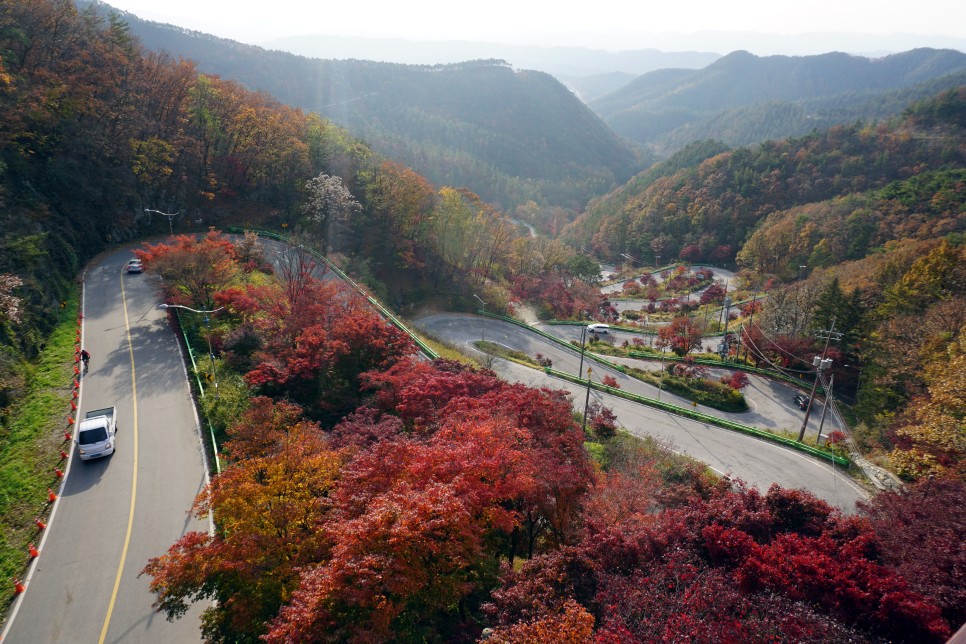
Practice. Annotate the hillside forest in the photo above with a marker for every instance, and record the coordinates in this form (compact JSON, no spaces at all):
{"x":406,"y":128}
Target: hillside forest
{"x":372,"y":495}
{"x":514,"y":135}
{"x":511,"y":136}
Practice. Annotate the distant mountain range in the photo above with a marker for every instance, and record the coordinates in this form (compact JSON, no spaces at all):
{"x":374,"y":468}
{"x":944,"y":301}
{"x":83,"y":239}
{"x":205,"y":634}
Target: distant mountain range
{"x":590,"y":73}
{"x":741,"y":98}
{"x":509,"y":136}
{"x":514,"y":136}
{"x":562,"y":62}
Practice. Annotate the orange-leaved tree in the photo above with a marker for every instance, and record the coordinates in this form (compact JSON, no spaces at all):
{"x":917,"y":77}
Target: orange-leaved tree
{"x":268,"y":509}
{"x":193,"y":269}
{"x":412,"y":533}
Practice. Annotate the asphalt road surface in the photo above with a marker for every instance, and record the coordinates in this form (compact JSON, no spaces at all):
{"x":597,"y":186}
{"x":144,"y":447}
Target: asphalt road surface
{"x":770,"y":402}
{"x":756,"y":462}
{"x":117,"y":512}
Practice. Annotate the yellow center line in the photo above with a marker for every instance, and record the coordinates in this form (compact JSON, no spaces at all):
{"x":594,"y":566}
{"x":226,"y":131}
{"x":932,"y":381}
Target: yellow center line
{"x":134,"y":478}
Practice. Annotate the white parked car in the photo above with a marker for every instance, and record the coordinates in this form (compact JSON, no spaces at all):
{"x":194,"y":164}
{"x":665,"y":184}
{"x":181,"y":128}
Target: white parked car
{"x":601,"y":329}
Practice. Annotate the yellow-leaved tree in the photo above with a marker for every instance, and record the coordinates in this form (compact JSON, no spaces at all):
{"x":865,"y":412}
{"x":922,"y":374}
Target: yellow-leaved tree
{"x":936,"y":433}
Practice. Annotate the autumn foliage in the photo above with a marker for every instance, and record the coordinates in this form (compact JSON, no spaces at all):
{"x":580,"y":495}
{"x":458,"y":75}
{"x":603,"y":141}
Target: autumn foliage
{"x":739,"y":566}
{"x":370,"y":495}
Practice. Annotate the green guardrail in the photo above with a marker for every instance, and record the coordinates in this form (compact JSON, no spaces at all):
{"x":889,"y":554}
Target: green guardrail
{"x":201,"y":389}
{"x":553,"y":338}
{"x":674,"y":409}
{"x":701,"y":417}
{"x":681,"y":411}
{"x":708,"y":362}
{"x":653,"y":271}
{"x":382,"y":310}
{"x":777,"y":375}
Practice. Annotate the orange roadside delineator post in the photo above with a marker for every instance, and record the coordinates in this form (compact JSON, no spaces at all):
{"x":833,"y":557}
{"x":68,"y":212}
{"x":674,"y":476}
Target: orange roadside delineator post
{"x":51,"y":497}
{"x":70,"y":420}
{"x":18,"y":586}
{"x":67,"y":436}
{"x":40,"y":524}
{"x":58,"y":473}
{"x":63,"y":455}
{"x":34,"y":553}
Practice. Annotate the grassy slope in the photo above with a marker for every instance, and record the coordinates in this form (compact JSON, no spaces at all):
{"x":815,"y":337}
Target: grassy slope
{"x":30,"y":450}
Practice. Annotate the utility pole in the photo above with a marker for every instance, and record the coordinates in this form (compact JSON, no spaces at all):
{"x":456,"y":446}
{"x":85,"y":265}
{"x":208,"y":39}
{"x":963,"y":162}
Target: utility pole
{"x":724,"y":338}
{"x":583,"y":336}
{"x":587,"y":399}
{"x":751,"y":319}
{"x":819,"y":363}
{"x":741,"y":332}
{"x":660,"y":383}
{"x":828,"y":399}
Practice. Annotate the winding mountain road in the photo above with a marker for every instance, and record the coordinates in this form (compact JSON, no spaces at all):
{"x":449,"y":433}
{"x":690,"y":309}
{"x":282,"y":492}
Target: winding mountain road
{"x":754,"y":461}
{"x":115,"y":513}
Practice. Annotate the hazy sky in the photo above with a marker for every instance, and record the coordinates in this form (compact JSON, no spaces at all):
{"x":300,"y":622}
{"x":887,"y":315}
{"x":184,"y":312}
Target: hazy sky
{"x":605,"y":24}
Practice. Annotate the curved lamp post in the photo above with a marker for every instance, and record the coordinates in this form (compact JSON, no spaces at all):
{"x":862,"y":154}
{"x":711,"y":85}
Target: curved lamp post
{"x":483,"y":324}
{"x":170,"y":217}
{"x":211,"y":354}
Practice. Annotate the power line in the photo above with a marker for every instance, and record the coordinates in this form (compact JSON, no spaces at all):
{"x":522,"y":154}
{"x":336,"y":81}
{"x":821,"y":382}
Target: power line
{"x":761,"y":354}
{"x":777,"y":346}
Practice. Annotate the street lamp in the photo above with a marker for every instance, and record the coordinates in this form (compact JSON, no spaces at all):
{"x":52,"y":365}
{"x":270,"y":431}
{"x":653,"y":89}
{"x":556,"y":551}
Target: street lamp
{"x":483,"y":324}
{"x":858,"y":381}
{"x":211,"y":354}
{"x":170,"y":217}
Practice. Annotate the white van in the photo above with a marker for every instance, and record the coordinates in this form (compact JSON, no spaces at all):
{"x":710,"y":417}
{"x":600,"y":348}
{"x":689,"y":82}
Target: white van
{"x":601,"y":329}
{"x":95,"y":435}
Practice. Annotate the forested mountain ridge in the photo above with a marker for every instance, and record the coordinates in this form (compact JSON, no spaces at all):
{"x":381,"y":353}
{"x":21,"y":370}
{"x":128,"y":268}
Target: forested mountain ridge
{"x":388,"y":498}
{"x":98,"y":133}
{"x":703,"y":205}
{"x":564,"y":63}
{"x":511,"y":137}
{"x":742,"y":98}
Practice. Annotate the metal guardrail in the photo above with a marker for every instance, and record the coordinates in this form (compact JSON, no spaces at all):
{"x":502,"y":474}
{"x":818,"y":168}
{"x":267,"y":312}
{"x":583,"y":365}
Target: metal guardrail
{"x":704,"y":418}
{"x":708,"y":362}
{"x":201,"y":389}
{"x":674,"y":409}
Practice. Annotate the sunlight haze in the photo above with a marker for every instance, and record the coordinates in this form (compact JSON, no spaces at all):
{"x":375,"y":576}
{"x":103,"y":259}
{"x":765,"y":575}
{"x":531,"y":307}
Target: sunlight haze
{"x":759,"y":26}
